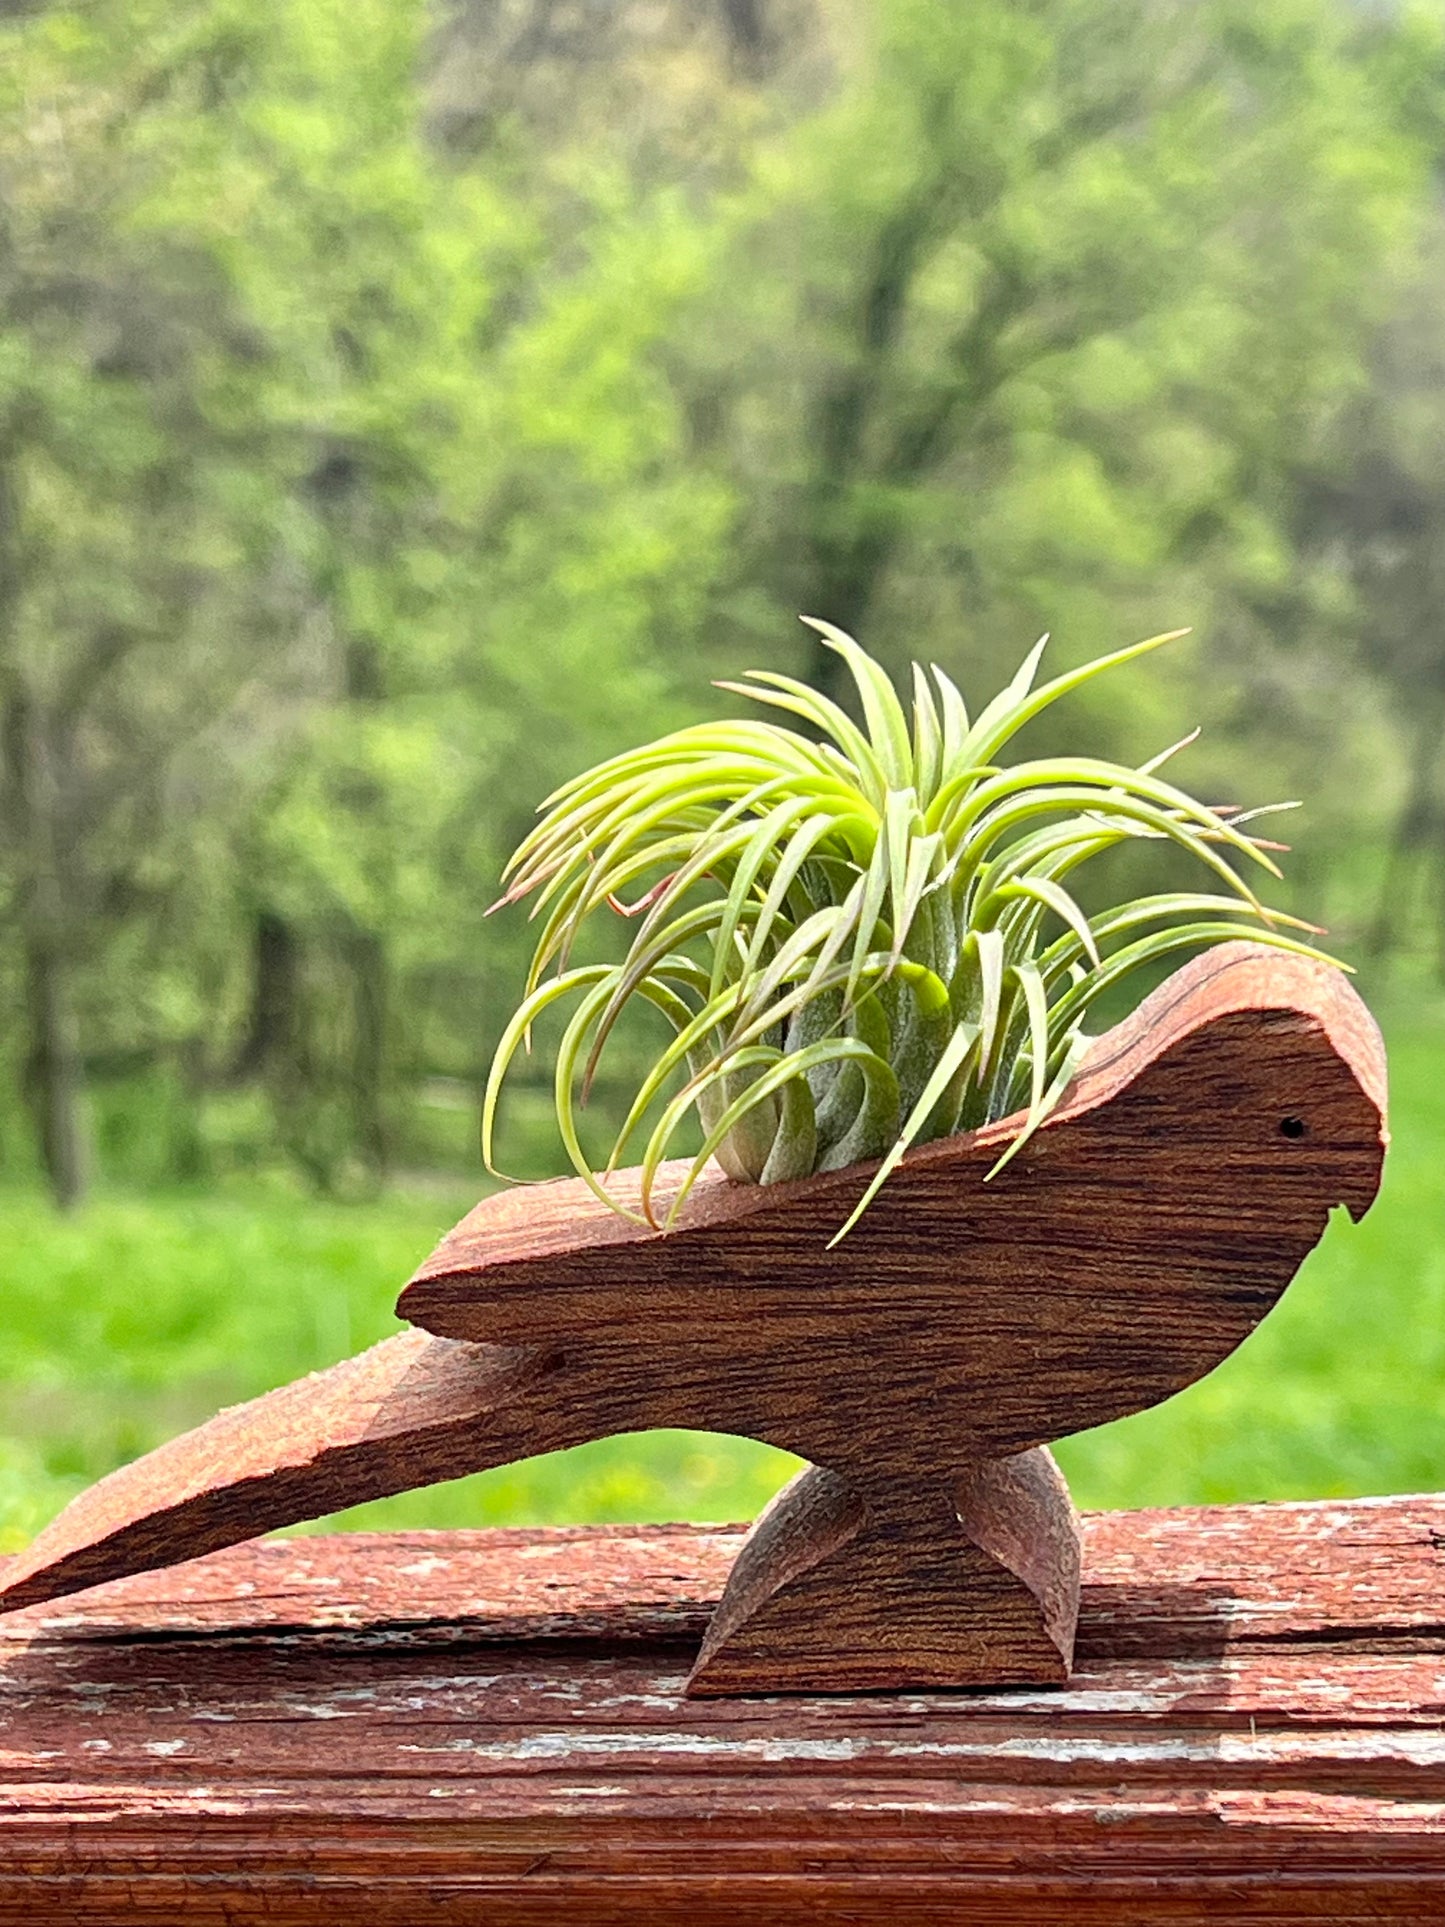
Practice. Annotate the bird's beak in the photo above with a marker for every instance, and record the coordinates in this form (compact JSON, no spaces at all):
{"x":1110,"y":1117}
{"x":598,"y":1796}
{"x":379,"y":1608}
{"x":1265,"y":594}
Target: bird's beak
{"x":1364,"y":1186}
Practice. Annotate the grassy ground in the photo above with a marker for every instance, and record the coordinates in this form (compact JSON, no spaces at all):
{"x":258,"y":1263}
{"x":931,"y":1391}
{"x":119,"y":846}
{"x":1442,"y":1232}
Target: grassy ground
{"x":143,"y":1314}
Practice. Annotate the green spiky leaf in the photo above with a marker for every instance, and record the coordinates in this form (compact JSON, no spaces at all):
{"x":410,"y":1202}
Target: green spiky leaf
{"x":861,"y":937}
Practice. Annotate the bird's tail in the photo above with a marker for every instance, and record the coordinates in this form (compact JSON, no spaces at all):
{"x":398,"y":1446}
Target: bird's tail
{"x":411,"y":1411}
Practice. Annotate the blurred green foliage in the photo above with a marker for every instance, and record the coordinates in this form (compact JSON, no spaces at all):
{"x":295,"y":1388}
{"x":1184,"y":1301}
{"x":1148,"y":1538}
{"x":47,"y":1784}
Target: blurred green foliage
{"x":390,"y":424}
{"x":404,"y":403}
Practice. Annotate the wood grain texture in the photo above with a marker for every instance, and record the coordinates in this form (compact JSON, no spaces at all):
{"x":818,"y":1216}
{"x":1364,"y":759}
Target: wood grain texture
{"x":491,"y":1728}
{"x":969,"y":1587}
{"x":409,"y":1412}
{"x":1139,"y":1238}
{"x":922,"y":1364}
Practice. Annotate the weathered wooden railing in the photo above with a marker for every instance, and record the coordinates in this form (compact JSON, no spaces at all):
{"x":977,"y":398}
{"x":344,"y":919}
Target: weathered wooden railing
{"x":489,"y":1727}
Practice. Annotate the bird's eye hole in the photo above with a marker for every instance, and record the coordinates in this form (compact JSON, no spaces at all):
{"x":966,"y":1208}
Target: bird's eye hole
{"x":1293,"y":1127}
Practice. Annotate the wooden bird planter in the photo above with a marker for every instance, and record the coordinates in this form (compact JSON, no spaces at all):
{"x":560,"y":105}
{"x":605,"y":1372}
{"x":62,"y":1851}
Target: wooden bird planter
{"x":922,"y":1366}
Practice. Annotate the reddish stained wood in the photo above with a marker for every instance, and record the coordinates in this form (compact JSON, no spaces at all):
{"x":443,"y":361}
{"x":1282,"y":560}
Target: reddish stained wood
{"x":408,"y":1412}
{"x":1138,"y":1238}
{"x":921,"y":1366}
{"x":481,"y":1727}
{"x":972,"y":1588}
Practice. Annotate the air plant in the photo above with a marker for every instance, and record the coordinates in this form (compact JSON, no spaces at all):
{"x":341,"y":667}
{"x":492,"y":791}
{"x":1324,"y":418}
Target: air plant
{"x":863,"y":937}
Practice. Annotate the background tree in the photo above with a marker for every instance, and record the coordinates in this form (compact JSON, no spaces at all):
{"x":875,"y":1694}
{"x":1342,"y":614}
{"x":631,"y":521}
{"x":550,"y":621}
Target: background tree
{"x":403,"y":406}
{"x":1046,"y":305}
{"x":140,"y":569}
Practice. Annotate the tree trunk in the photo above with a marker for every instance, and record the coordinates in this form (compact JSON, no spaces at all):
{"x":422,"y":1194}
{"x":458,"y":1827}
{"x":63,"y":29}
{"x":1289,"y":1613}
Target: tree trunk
{"x":847,"y":578}
{"x":54,"y":1077}
{"x":366,"y":953}
{"x":749,"y":38}
{"x":1418,"y":829}
{"x":275,"y":976}
{"x":54,"y":1080}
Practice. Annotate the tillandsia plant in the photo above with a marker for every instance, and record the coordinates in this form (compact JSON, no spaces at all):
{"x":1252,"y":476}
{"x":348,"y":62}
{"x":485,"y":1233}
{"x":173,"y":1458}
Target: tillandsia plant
{"x":862,"y":937}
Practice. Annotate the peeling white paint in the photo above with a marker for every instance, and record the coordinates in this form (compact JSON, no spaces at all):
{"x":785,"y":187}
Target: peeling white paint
{"x":1412,"y":1747}
{"x":1421,"y":1748}
{"x":1081,"y":1699}
{"x":568,"y":1745}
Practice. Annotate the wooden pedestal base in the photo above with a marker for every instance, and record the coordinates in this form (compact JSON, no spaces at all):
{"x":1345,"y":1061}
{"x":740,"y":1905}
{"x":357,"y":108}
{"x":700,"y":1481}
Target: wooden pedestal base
{"x":831,"y":1594}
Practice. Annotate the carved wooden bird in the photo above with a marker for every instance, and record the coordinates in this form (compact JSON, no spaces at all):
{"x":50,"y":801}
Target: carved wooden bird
{"x":921,"y":1365}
